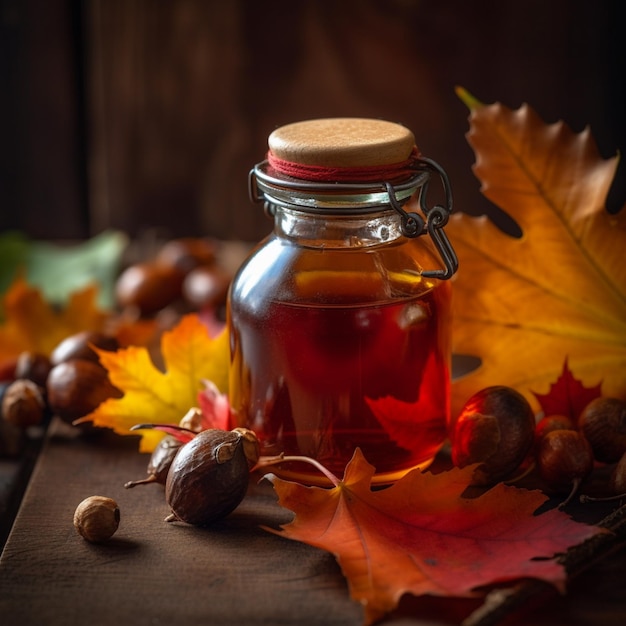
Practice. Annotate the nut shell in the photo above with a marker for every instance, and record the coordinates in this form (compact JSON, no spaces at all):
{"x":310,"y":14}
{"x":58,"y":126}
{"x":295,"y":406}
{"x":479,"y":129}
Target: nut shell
{"x":97,"y":518}
{"x":160,"y":462}
{"x":208,"y":478}
{"x":496,"y":428}
{"x":603,"y":422}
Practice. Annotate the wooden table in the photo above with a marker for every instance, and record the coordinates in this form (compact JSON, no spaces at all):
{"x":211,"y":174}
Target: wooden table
{"x":152,"y":572}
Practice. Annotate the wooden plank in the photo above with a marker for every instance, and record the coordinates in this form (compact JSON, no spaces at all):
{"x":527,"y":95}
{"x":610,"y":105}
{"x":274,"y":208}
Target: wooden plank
{"x":152,"y":572}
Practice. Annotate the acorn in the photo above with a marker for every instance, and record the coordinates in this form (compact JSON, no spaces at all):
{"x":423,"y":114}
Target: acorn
{"x":603,"y":422}
{"x":159,"y":463}
{"x":209,"y":476}
{"x":565,"y":459}
{"x":496,"y":429}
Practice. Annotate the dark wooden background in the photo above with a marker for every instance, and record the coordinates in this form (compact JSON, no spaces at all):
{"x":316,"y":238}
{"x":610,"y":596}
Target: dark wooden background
{"x":146,"y":115}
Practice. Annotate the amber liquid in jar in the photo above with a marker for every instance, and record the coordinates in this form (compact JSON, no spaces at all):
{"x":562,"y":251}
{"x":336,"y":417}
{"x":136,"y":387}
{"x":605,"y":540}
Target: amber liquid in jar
{"x":330,"y":352}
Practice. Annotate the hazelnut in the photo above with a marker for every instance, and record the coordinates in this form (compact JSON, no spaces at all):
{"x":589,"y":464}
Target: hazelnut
{"x":76,"y":388}
{"x":603,"y":422}
{"x":496,"y":429}
{"x":97,"y":518}
{"x":23,"y":404}
{"x":80,"y":346}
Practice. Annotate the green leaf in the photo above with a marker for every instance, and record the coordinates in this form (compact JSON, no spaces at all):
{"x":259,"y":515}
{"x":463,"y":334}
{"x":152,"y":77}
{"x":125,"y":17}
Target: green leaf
{"x":58,"y":270}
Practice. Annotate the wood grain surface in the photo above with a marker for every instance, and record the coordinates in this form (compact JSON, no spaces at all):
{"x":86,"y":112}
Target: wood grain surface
{"x":152,"y":572}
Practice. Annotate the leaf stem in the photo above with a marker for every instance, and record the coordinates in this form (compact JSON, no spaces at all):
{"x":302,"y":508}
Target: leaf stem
{"x":468,"y":99}
{"x":181,"y":429}
{"x":269,"y":461}
{"x":584,"y":499}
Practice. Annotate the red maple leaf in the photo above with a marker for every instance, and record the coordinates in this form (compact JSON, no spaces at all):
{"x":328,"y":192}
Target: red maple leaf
{"x":567,"y":396}
{"x":420,"y":536}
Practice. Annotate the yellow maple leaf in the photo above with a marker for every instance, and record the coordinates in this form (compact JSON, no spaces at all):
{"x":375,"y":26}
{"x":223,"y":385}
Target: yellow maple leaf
{"x":153,"y":395}
{"x":32,"y":323}
{"x":523,"y":305}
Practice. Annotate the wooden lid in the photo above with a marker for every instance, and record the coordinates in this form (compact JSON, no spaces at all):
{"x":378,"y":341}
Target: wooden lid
{"x":342,"y":142}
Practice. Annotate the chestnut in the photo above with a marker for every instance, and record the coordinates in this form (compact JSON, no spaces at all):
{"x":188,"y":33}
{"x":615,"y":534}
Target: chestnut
{"x":603,"y":422}
{"x":552,"y":422}
{"x":76,"y":387}
{"x":33,"y":366}
{"x":496,"y":429}
{"x":206,"y":287}
{"x":186,"y":253}
{"x":148,"y":287}
{"x":81,"y":346}
{"x":565,"y":459}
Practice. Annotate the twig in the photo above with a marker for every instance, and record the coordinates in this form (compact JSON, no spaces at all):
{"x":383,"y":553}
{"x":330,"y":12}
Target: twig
{"x":500,"y":602}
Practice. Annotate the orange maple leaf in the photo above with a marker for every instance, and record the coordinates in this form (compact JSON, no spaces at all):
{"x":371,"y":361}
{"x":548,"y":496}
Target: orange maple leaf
{"x":31,"y":323}
{"x":420,"y":536}
{"x":190,"y":356}
{"x":523,"y":305}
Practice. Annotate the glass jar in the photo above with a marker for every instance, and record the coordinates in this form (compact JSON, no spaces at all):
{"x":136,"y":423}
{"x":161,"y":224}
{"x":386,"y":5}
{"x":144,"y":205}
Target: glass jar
{"x":339,"y":320}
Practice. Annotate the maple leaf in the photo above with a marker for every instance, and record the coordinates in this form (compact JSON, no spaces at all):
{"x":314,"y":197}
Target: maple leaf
{"x":420,"y":536}
{"x":567,"y":396}
{"x":214,"y":407}
{"x":31,"y":323}
{"x":190,"y":356}
{"x":404,"y":424}
{"x":523,"y":305}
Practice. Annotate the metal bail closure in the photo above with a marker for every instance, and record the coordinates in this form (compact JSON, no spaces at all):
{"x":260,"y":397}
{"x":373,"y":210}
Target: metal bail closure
{"x":413,"y":224}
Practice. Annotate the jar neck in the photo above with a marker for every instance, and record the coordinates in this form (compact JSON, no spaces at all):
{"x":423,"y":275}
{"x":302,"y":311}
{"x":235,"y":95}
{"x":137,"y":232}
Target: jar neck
{"x":337,"y":231}
{"x":339,"y":203}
